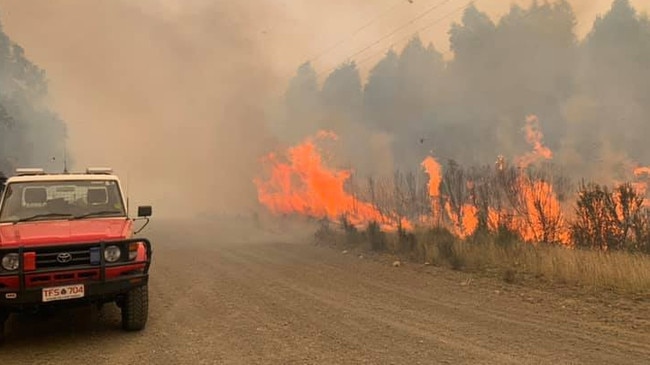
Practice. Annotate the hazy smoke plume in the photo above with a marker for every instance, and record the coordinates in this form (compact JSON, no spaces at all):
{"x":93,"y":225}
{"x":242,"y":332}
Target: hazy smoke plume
{"x":171,"y":95}
{"x":175,"y":94}
{"x":29,"y":132}
{"x":590,"y":95}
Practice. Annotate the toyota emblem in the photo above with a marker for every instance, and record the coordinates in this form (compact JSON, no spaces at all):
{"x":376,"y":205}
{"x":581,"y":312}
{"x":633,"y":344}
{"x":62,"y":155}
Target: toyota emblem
{"x":64,"y":257}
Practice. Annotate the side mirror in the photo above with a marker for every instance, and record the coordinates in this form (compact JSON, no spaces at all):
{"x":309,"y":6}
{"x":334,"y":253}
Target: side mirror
{"x":144,"y":211}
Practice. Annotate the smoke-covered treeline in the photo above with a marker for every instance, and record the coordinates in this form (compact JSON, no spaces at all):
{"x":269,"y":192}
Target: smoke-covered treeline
{"x":30,"y":134}
{"x":592,"y":96}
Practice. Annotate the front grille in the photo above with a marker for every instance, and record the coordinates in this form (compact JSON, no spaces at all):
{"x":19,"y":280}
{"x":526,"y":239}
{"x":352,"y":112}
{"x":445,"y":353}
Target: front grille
{"x":47,"y":258}
{"x":52,"y":278}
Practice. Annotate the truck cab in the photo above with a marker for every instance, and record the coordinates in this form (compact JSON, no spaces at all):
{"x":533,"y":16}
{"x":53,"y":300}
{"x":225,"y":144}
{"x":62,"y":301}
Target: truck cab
{"x":67,"y":239}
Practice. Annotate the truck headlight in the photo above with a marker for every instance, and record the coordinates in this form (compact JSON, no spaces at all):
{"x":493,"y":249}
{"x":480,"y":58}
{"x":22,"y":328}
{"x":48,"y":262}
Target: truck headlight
{"x":10,"y":261}
{"x":133,"y":250}
{"x":112,"y":253}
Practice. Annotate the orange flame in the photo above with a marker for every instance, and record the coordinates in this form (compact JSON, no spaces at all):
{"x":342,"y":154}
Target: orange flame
{"x":642,"y":186}
{"x":464,"y":222}
{"x":644,"y":170}
{"x":537,"y":215}
{"x":304,"y":185}
{"x":434,"y":170}
{"x":542,"y":219}
{"x":301,"y":183}
{"x":534,"y":137}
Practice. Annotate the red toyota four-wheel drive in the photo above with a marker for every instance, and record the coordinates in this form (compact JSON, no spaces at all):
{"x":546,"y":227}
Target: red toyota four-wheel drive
{"x":67,"y":239}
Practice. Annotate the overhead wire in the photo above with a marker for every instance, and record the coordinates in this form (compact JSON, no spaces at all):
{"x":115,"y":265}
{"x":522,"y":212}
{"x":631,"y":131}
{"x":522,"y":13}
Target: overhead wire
{"x":393,"y":32}
{"x":420,"y":16}
{"x":353,"y":34}
{"x":401,"y":27}
{"x":357,"y":31}
{"x":362,"y":61}
{"x":429,"y":25}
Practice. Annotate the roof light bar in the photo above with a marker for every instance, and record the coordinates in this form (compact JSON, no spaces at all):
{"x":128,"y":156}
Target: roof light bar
{"x":30,"y":171}
{"x":99,"y":170}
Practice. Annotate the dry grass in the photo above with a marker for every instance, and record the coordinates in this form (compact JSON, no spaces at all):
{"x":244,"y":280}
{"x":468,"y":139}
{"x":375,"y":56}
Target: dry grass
{"x":514,"y":261}
{"x":614,"y":270}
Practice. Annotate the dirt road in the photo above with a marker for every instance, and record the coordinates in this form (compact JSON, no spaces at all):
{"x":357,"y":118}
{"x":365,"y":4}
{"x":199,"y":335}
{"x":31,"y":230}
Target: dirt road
{"x":220,"y":299}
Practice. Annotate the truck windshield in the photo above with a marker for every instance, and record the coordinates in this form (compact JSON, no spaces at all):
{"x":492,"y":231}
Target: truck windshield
{"x":46,"y":200}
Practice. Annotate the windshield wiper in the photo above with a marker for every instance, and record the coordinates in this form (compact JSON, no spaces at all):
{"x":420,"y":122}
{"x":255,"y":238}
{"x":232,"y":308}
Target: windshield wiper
{"x":100,"y":213}
{"x":44,"y":215}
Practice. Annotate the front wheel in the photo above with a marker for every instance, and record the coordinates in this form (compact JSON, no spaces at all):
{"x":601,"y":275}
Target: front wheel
{"x":135,"y":309}
{"x":4,"y":315}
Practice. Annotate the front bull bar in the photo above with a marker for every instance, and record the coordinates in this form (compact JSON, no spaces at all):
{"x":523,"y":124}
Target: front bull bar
{"x":103,"y":265}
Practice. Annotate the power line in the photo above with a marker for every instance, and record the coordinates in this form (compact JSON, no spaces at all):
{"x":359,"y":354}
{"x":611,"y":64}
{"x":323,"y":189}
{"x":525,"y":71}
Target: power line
{"x":429,"y":10}
{"x":436,"y":21}
{"x":429,"y":25}
{"x":530,"y":12}
{"x":404,"y":25}
{"x":357,"y":31}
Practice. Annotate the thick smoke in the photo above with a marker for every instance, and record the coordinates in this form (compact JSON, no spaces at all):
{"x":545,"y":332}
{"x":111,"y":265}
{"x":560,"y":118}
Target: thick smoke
{"x":590,"y":94}
{"x":30,"y":133}
{"x":171,"y":94}
{"x":174,"y":94}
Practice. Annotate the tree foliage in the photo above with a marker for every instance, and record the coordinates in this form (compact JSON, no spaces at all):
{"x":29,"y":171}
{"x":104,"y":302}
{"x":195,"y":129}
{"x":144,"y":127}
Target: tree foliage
{"x":611,"y":220}
{"x":30,"y":133}
{"x":592,"y":95}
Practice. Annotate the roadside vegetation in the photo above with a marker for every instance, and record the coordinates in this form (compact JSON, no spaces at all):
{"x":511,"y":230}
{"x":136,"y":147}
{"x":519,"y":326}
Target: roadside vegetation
{"x":503,"y":256}
{"x":512,"y":201}
{"x":607,"y":242}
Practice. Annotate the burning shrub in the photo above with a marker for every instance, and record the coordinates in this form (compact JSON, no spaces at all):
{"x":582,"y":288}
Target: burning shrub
{"x":376,"y":237}
{"x":505,"y":236}
{"x":530,"y":206}
{"x":352,"y":235}
{"x":508,"y":202}
{"x":406,"y":240}
{"x":457,"y":189}
{"x":506,"y":198}
{"x":611,"y":220}
{"x":442,"y":242}
{"x":324,"y":234}
{"x":641,"y":228}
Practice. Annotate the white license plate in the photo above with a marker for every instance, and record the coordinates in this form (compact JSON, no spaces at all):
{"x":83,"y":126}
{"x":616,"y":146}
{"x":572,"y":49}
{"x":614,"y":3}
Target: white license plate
{"x":63,"y":292}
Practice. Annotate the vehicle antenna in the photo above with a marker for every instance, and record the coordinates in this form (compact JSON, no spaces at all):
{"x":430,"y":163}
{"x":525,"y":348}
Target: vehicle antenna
{"x":127,"y":191}
{"x":65,"y":160}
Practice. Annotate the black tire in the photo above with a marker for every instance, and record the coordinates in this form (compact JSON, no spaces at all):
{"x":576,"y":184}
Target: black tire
{"x":4,"y":316}
{"x":135,"y":309}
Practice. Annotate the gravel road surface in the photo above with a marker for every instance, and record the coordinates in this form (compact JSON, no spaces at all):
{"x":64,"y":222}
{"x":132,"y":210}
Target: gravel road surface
{"x":220,"y":298}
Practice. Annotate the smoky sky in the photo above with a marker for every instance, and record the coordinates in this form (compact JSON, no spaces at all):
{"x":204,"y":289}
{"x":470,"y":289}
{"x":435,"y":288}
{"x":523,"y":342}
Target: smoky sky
{"x":180,"y":96}
{"x":590,"y":93}
{"x":171,"y":98}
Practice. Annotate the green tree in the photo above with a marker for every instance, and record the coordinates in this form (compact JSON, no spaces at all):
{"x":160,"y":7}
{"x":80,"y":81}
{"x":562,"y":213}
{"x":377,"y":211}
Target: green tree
{"x":402,"y":97}
{"x":381,"y":93}
{"x":30,"y":133}
{"x":616,"y":77}
{"x":302,"y":104}
{"x":342,"y":98}
{"x":523,"y":65}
